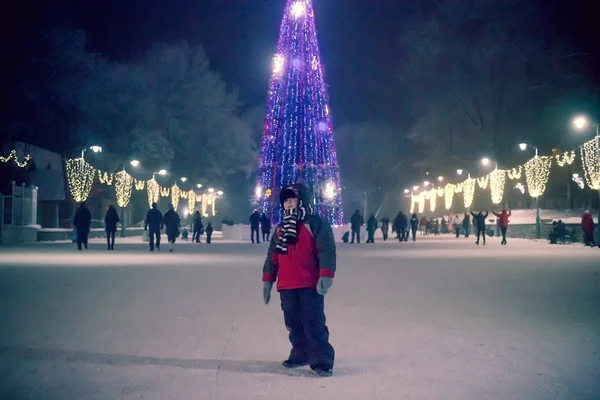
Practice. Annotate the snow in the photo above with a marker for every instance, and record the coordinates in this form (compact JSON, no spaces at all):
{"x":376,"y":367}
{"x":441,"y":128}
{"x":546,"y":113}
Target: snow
{"x":519,"y":217}
{"x":437,"y":319}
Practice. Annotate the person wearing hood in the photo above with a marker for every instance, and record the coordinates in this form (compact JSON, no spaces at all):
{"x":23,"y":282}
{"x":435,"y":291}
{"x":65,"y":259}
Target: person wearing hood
{"x":371,"y":228}
{"x":385,"y":227}
{"x":82,"y":221}
{"x":467,"y":224}
{"x":503,"y":222}
{"x":356,"y":222}
{"x":479,"y":222}
{"x":302,"y":260}
{"x":254,"y":226}
{"x":265,"y":227}
{"x":154,"y":221}
{"x":111,"y":219}
{"x":198,"y":228}
{"x":414,"y":226}
{"x":588,"y":226}
{"x":171,"y":221}
{"x":399,"y":225}
{"x":209,"y":232}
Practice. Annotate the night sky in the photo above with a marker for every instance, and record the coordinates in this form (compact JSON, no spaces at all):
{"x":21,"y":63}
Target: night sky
{"x":358,"y":39}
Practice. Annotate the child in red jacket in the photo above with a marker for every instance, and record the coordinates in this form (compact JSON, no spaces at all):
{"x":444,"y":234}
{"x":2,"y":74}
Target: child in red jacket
{"x":302,"y":259}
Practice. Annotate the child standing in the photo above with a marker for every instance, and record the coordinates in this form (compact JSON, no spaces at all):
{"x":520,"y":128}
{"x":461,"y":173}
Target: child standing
{"x":302,"y":259}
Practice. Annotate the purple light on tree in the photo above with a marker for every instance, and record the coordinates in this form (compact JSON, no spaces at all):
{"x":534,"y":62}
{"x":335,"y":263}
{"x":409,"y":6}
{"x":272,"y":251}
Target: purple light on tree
{"x":297,"y":142}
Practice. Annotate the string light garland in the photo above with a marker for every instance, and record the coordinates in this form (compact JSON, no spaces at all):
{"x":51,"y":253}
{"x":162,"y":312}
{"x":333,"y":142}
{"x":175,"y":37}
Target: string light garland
{"x":579,"y":181}
{"x":483,"y":182}
{"x":164,"y":192}
{"x":432,"y":197}
{"x":139,"y":185}
{"x":175,"y":194}
{"x":123,"y":188}
{"x":567,"y":158}
{"x":105,"y":178}
{"x":459,"y":187}
{"x":153,"y":190}
{"x":520,"y":187}
{"x":449,"y":191}
{"x":537,"y":171}
{"x":440,"y":192}
{"x":468,"y":192}
{"x":497,"y":183}
{"x":13,"y":156}
{"x":191,"y":201}
{"x":515,"y":173}
{"x":80,"y":176}
{"x":591,"y":164}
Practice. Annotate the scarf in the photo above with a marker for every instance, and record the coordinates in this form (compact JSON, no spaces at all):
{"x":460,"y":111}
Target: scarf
{"x":289,"y":234}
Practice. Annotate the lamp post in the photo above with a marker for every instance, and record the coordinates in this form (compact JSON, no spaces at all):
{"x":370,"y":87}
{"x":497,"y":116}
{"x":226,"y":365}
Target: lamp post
{"x":95,"y":149}
{"x":538,"y":223}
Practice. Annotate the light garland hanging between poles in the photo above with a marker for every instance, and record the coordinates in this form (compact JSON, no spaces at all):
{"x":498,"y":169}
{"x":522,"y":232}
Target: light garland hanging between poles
{"x":468,"y":192}
{"x":139,"y":185}
{"x":432,"y":196}
{"x":175,"y":195}
{"x":567,"y":158}
{"x":449,"y":191}
{"x":515,"y":173}
{"x":497,"y":183}
{"x":13,"y":156}
{"x":537,"y":171}
{"x":591,"y":164}
{"x":80,"y":176}
{"x":123,"y":188}
{"x":483,"y":182}
{"x":105,"y":177}
{"x":164,"y":192}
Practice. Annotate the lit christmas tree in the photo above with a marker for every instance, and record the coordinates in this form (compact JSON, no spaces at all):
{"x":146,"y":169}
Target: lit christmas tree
{"x":297,"y":142}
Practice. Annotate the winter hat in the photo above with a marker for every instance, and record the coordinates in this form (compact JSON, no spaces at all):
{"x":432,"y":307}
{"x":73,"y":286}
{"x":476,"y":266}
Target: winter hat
{"x":289,"y":192}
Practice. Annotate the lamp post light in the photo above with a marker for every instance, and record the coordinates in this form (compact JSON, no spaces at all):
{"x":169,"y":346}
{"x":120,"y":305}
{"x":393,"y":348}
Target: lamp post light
{"x":581,"y":122}
{"x":134,"y":163}
{"x":199,"y":186}
{"x":426,"y":183}
{"x":440,"y":178}
{"x":184,"y":179}
{"x":406,"y":191}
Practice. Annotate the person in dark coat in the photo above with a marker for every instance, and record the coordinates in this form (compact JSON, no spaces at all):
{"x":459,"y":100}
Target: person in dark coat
{"x":111,"y":219}
{"x":302,"y":260}
{"x":588,"y":226}
{"x":209,"y":232}
{"x":265,"y":227}
{"x":171,"y":221}
{"x":479,"y":222}
{"x":385,"y":227}
{"x":82,"y":223}
{"x":467,"y":224}
{"x":371,"y":228}
{"x":198,"y":227}
{"x":414,"y":226}
{"x":154,"y":221}
{"x":254,"y":226}
{"x":400,"y":225}
{"x":356,"y":222}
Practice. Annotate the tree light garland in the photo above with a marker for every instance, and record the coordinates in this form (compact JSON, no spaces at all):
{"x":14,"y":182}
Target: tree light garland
{"x":449,"y":191}
{"x":175,"y":194}
{"x":123,"y":188}
{"x":591,"y":164}
{"x":483,"y":182}
{"x":568,"y":157}
{"x":515,"y":173}
{"x":468,"y":192}
{"x":497,"y":182}
{"x":13,"y":156}
{"x":80,"y":176}
{"x":153,"y":191}
{"x":537,"y":171}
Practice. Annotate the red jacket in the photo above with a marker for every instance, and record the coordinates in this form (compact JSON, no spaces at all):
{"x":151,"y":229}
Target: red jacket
{"x":587,"y":223}
{"x":503,"y":216}
{"x":304,"y":262}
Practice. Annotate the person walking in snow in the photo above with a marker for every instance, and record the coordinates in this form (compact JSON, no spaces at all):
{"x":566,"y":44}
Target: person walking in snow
{"x":265,"y":227}
{"x":503,"y":222}
{"x":385,"y":227}
{"x":302,"y":260}
{"x":588,"y":226}
{"x":254,"y":226}
{"x":371,"y":228}
{"x":467,"y":224}
{"x":82,"y":221}
{"x":399,"y":223}
{"x":171,"y":221}
{"x":456,"y":224}
{"x":111,"y":219}
{"x":198,"y":228}
{"x":209,"y":232}
{"x":154,"y":224}
{"x":356,"y":222}
{"x":414,"y":226}
{"x":479,"y":222}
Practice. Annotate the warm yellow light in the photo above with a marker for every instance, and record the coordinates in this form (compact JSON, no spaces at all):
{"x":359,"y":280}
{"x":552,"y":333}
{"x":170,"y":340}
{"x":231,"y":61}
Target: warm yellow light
{"x":220,"y":193}
{"x":163,"y":172}
{"x":153,"y":190}
{"x":459,"y":171}
{"x":483,"y":182}
{"x":580,"y":122}
{"x":497,"y":183}
{"x":278,"y":63}
{"x":567,"y":158}
{"x":537,"y":171}
{"x":440,"y":178}
{"x":80,"y":176}
{"x":123,"y":187}
{"x":211,"y":190}
{"x":134,"y":163}
{"x":515,"y":173}
{"x":449,"y":191}
{"x":591,"y":164}
{"x":468,"y":192}
{"x":485,"y":161}
{"x":175,"y":194}
{"x":329,"y":191}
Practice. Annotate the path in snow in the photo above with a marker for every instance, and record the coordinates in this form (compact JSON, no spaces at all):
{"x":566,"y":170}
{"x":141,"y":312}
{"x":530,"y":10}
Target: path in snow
{"x":437,"y":319}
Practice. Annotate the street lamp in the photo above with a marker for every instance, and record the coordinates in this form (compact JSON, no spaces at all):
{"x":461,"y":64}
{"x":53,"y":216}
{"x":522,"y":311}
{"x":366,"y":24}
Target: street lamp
{"x":416,"y":187}
{"x":459,"y":171}
{"x":581,"y":122}
{"x":426,"y":183}
{"x":162,"y":172}
{"x":211,"y":190}
{"x":199,"y":186}
{"x":220,"y":193}
{"x":134,"y":163}
{"x":406,"y":191}
{"x":440,"y":178}
{"x":485,"y":161}
{"x":523,"y":147}
{"x":96,"y":149}
{"x":184,"y":179}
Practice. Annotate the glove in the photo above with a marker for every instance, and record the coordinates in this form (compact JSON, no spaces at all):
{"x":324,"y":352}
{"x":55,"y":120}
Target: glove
{"x":324,"y":284}
{"x":267,"y":287}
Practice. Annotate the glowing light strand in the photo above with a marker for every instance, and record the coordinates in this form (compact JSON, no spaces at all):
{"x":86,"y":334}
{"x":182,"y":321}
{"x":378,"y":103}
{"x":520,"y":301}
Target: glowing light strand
{"x":153,"y":190}
{"x":105,"y":177}
{"x":591,"y":164}
{"x":537,"y":171}
{"x":80,"y":177}
{"x":432,"y":197}
{"x":483,"y":182}
{"x":13,"y":156}
{"x":567,"y":158}
{"x":497,"y":183}
{"x":123,"y":188}
{"x":468,"y":192}
{"x":515,"y":173}
{"x":139,"y":185}
{"x":449,"y":191}
{"x":175,"y":195}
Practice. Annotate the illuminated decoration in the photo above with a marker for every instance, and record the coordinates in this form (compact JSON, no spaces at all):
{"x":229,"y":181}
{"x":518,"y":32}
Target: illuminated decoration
{"x":153,"y":191}
{"x":329,"y":192}
{"x":440,"y":192}
{"x":497,"y":183}
{"x":537,"y":171}
{"x":164,"y":192}
{"x":297,"y":140}
{"x":105,"y":178}
{"x":191,"y":201}
{"x":432,"y":197}
{"x":13,"y":156}
{"x":567,"y":158}
{"x":459,"y":187}
{"x":483,"y":182}
{"x":123,"y":188}
{"x":183,"y":194}
{"x":449,"y":191}
{"x":139,"y":185}
{"x":80,"y":176}
{"x":468,"y":192}
{"x":578,"y":180}
{"x":591,"y":164}
{"x":175,"y":194}
{"x":418,"y":200}
{"x":520,"y":187}
{"x":515,"y":173}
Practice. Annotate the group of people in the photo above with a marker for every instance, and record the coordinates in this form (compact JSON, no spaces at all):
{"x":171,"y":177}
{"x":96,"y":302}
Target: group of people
{"x":262,"y":222}
{"x":402,"y":226}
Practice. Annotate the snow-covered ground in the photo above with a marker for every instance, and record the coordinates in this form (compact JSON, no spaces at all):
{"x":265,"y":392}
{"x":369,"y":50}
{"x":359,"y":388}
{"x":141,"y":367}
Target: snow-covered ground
{"x":437,"y":319}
